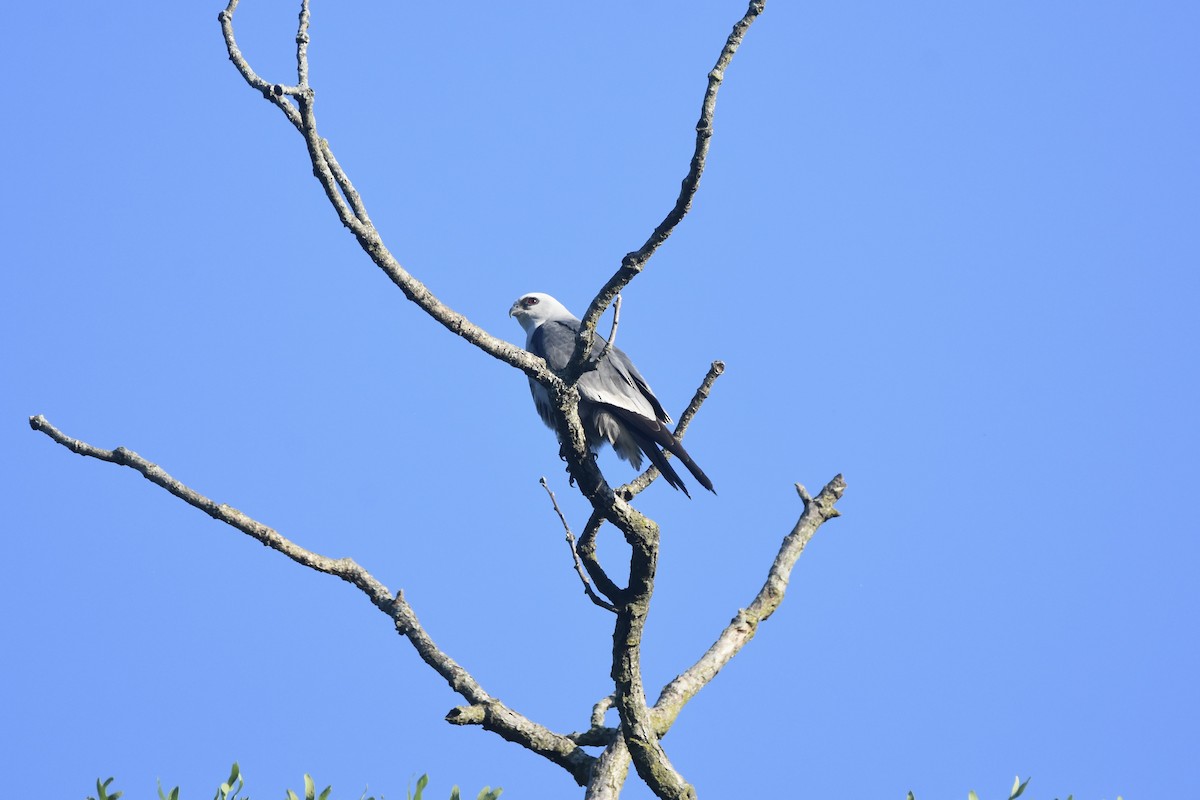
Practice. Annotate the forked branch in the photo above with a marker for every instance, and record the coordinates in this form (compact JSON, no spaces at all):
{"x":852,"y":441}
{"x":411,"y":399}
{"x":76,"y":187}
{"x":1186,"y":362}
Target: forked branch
{"x":349,"y":205}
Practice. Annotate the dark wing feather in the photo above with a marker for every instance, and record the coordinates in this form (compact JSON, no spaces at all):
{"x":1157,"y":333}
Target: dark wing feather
{"x":659,"y":460}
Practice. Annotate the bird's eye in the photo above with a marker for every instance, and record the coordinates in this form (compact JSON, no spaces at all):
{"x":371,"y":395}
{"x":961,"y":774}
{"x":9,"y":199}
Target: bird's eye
{"x":529,"y":302}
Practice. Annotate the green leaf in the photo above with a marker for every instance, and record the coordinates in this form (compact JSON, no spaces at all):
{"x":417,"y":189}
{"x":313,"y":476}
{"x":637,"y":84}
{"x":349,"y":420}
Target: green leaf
{"x":291,"y":795}
{"x":910,"y":796}
{"x":1018,"y":787}
{"x":173,"y":795}
{"x":310,"y":788}
{"x":455,"y":794}
{"x":422,"y":782}
{"x":972,"y":796}
{"x":102,"y":790}
{"x":325,"y":794}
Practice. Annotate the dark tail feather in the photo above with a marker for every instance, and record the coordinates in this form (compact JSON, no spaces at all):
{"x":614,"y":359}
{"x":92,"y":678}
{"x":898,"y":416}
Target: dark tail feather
{"x":659,"y":460}
{"x":676,"y":448}
{"x":649,"y":433}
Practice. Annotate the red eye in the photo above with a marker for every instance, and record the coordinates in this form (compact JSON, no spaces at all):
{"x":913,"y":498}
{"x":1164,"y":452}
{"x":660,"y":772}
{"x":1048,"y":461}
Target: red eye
{"x":529,"y":302}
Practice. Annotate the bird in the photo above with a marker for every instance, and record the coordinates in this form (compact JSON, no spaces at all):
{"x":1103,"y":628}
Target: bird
{"x":616,"y":405}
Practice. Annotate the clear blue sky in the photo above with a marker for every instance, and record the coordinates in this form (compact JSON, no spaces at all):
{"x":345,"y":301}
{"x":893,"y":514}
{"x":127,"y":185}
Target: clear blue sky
{"x":950,"y":250}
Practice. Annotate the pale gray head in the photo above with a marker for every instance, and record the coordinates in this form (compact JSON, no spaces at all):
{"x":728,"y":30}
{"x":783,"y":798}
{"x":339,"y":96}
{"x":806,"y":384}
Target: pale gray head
{"x":532,"y":309}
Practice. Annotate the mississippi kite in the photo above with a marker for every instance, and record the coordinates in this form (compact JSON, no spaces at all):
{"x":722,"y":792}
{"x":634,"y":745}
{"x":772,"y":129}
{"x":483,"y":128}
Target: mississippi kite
{"x":616,"y":405}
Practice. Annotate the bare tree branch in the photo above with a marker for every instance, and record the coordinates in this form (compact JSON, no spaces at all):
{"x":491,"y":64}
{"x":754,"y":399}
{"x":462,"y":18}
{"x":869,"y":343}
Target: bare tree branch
{"x":492,"y":715}
{"x":586,"y":550}
{"x":352,"y":212}
{"x":744,"y":625}
{"x":609,"y":772}
{"x":302,"y":47}
{"x":637,"y":724}
{"x":635,"y":262}
{"x":587,"y":586}
{"x":612,"y":335}
{"x":272,"y":93}
{"x":600,"y":710}
{"x":598,"y":733}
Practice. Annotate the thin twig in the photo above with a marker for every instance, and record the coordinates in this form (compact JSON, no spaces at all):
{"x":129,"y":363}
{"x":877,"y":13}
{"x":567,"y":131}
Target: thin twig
{"x":601,"y":709}
{"x":274,"y":94}
{"x":597,"y":733}
{"x":634,"y":262}
{"x":587,"y":585}
{"x":612,"y":334}
{"x":586,"y":550}
{"x":302,"y":47}
{"x":343,"y":182}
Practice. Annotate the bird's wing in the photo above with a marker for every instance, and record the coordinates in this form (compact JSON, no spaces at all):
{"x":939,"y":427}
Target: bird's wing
{"x":614,"y":382}
{"x":620,"y":366}
{"x":616,"y":385}
{"x":546,"y":341}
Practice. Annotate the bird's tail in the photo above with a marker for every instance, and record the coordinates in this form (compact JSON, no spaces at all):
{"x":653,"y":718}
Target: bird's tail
{"x":651,"y":435}
{"x":676,"y":448}
{"x":659,"y":460}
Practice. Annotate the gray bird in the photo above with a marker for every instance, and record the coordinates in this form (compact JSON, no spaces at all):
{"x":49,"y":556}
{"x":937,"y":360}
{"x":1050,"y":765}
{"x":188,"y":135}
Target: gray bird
{"x":616,"y":404}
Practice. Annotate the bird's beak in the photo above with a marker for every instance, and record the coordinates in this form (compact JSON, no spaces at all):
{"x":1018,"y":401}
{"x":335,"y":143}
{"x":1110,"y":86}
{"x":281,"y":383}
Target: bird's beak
{"x":512,"y":312}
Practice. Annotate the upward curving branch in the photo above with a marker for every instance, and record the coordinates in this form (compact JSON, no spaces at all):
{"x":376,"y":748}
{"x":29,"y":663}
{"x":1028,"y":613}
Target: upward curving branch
{"x":633,"y":263}
{"x":348,"y":204}
{"x":738,"y":633}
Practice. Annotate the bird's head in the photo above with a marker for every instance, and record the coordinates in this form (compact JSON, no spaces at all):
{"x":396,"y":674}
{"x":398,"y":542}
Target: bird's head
{"x":532,"y":309}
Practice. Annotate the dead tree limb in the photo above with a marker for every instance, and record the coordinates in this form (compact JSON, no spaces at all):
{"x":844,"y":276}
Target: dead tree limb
{"x":491,"y":713}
